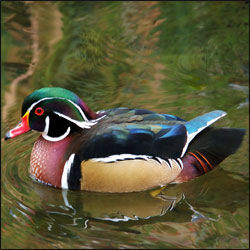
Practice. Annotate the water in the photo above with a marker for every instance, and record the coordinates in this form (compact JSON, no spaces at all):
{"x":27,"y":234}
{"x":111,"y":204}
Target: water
{"x":170,"y":57}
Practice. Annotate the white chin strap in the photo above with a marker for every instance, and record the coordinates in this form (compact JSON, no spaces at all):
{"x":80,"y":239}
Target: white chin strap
{"x":49,"y":138}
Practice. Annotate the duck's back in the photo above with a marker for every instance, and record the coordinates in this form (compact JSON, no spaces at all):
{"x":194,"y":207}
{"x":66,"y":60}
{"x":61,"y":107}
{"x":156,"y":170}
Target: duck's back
{"x":135,"y":132}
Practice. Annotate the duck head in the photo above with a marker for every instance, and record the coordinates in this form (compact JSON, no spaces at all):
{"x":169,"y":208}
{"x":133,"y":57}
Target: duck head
{"x":56,"y":112}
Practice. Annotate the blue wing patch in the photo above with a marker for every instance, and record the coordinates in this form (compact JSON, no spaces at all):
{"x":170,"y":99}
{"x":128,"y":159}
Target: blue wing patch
{"x":197,"y":124}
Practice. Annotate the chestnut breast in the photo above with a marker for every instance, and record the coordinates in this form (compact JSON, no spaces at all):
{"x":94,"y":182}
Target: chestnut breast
{"x":47,"y":160}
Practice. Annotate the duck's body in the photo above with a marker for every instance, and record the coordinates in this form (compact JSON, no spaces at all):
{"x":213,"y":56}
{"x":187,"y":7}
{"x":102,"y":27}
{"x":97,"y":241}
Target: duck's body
{"x":121,"y":149}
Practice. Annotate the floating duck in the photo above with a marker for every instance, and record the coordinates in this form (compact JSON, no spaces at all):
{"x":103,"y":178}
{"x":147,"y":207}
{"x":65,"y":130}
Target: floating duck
{"x":119,"y":149}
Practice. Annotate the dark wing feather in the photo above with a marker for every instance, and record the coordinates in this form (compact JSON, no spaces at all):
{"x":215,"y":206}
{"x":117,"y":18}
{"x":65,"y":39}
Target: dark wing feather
{"x":138,"y":132}
{"x":215,"y":144}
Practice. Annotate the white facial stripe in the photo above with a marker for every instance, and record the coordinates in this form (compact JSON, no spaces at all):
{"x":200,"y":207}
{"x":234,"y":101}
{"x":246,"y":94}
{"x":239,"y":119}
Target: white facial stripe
{"x":46,"y":129}
{"x":80,"y":124}
{"x":66,"y":171}
{"x":79,"y":109}
{"x":50,"y":98}
{"x":49,"y":138}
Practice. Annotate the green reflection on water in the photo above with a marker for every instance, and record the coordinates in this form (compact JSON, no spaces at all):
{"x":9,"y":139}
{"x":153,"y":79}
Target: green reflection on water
{"x":171,"y":57}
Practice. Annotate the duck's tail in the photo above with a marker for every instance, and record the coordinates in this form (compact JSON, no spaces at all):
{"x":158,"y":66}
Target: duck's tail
{"x":208,"y":149}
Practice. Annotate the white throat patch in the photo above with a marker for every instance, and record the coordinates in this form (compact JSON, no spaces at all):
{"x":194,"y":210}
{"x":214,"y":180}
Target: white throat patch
{"x":49,"y":138}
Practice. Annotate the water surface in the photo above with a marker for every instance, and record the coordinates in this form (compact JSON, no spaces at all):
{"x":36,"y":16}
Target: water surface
{"x":170,"y":57}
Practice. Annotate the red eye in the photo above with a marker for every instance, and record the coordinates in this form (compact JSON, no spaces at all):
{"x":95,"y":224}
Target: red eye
{"x":39,"y":111}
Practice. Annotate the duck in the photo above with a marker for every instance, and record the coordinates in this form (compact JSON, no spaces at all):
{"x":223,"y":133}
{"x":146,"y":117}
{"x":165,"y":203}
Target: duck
{"x":118,"y":150}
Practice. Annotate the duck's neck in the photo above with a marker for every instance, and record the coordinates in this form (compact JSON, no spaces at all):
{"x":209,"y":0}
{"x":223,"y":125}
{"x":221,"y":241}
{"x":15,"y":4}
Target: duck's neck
{"x":47,"y":160}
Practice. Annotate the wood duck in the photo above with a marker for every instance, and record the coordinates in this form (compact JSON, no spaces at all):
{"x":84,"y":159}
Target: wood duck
{"x":119,"y":149}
